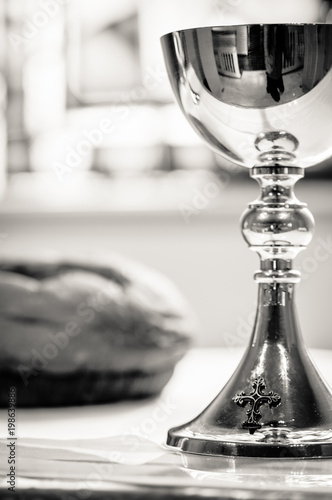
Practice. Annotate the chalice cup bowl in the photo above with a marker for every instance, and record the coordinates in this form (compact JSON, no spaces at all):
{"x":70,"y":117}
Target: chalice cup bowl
{"x":261,"y":96}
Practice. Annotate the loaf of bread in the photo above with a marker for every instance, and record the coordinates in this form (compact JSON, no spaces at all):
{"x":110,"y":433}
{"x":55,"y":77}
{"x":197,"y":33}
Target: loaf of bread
{"x":87,"y":331}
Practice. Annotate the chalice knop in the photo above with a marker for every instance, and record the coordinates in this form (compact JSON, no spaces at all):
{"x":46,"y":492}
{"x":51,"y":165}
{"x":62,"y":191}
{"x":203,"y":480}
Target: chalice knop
{"x":261,"y":96}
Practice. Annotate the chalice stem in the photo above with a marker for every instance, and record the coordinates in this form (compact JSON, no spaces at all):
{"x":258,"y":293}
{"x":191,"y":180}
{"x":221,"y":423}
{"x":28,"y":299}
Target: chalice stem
{"x":275,"y":404}
{"x":278,"y":226}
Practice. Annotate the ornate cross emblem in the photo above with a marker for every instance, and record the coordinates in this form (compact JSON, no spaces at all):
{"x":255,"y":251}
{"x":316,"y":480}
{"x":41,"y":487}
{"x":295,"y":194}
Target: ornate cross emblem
{"x":256,"y":399}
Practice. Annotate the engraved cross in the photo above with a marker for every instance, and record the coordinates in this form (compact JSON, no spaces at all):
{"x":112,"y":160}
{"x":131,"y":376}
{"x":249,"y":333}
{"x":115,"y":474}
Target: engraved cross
{"x":256,"y":399}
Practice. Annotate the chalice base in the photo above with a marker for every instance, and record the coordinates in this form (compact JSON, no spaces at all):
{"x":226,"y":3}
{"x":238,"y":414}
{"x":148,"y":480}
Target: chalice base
{"x":300,"y":427}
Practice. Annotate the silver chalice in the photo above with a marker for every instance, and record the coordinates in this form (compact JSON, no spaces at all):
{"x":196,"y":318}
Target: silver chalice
{"x":261,"y":96}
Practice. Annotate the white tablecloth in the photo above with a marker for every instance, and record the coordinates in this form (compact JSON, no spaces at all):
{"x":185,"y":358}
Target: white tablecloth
{"x":108,"y":448}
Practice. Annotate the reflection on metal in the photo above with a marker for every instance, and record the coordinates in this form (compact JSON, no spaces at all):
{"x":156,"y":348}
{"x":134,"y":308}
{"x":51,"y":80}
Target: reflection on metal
{"x":225,"y":52}
{"x":253,"y":80}
{"x":255,"y":400}
{"x":274,"y":296}
{"x":276,"y":146}
{"x":268,"y":108}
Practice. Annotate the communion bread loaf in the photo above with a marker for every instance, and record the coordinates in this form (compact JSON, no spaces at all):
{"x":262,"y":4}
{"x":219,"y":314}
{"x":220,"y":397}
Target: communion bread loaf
{"x":87,"y":331}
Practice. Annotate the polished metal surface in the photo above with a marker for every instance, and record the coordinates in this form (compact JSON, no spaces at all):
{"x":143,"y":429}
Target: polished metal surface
{"x":300,"y":426}
{"x":297,"y":419}
{"x":261,"y":96}
{"x":258,"y":94}
{"x":277,"y":225}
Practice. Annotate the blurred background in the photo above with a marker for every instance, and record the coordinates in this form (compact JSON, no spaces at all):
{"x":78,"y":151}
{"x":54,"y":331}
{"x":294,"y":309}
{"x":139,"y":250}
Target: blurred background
{"x":95,"y":156}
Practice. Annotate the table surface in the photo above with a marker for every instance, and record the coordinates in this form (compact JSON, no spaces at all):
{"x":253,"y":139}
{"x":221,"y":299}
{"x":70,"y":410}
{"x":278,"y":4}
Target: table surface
{"x":118,"y":450}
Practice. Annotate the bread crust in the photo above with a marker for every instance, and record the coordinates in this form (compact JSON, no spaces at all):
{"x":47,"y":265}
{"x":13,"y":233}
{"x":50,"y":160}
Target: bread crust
{"x":111,"y":326}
